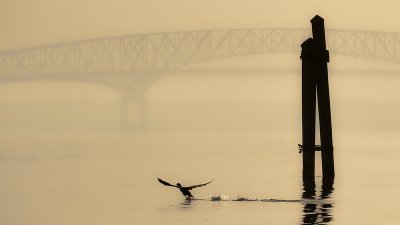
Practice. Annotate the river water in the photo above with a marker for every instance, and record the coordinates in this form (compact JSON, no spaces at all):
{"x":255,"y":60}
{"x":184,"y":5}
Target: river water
{"x":111,"y":178}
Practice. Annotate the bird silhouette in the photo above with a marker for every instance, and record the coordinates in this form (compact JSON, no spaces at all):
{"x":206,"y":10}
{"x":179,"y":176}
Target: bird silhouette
{"x":185,"y":190}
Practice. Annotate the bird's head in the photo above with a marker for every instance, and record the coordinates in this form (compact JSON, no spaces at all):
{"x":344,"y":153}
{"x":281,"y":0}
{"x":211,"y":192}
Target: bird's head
{"x":179,"y":185}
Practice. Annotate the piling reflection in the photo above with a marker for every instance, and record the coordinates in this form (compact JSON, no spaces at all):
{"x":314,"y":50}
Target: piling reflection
{"x":317,"y":209}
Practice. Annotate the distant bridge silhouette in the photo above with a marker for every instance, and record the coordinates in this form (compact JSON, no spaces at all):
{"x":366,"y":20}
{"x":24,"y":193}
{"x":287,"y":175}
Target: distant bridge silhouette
{"x":153,"y":53}
{"x":131,"y":63}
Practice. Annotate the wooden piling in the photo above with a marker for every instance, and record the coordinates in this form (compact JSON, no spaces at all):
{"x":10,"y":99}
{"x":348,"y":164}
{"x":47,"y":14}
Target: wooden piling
{"x":324,"y":107}
{"x":308,"y":109}
{"x":315,"y":83}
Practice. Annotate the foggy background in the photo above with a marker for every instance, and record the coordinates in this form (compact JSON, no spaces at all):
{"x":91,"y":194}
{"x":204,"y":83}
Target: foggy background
{"x":199,"y":101}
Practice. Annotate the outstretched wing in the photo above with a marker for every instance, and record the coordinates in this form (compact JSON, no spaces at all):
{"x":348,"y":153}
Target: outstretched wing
{"x":165,"y":183}
{"x":199,"y":185}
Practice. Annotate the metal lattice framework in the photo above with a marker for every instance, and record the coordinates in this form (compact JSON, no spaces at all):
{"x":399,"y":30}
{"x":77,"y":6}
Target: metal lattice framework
{"x":144,"y":53}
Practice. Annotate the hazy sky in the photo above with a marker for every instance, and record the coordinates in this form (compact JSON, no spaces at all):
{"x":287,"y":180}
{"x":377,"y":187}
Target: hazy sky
{"x":26,"y":23}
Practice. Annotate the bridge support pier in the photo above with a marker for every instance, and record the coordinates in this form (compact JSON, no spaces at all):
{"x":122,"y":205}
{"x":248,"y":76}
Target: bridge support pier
{"x":315,"y":82}
{"x":133,"y":111}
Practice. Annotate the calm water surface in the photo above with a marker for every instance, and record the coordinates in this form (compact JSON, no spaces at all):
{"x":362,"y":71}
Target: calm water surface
{"x":110,"y":178}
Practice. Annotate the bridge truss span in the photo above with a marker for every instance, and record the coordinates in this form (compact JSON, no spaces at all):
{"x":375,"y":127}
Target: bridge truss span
{"x":152,"y":53}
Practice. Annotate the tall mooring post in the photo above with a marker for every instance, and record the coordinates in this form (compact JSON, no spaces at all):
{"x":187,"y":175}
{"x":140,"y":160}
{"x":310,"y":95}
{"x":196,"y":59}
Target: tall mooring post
{"x":315,"y":83}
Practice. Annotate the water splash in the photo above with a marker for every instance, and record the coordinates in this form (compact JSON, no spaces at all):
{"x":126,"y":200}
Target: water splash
{"x":242,"y":198}
{"x":227,"y":198}
{"x":219,"y":197}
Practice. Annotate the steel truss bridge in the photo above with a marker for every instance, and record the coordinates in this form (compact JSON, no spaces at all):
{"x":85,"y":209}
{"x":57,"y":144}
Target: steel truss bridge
{"x":132,"y":63}
{"x":127,"y":56}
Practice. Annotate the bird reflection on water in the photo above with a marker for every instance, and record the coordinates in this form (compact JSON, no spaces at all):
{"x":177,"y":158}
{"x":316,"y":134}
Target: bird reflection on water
{"x":317,"y":210}
{"x":186,"y":204}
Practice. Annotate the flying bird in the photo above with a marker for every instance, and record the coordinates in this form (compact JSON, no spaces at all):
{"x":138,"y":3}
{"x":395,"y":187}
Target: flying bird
{"x":185,"y":190}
